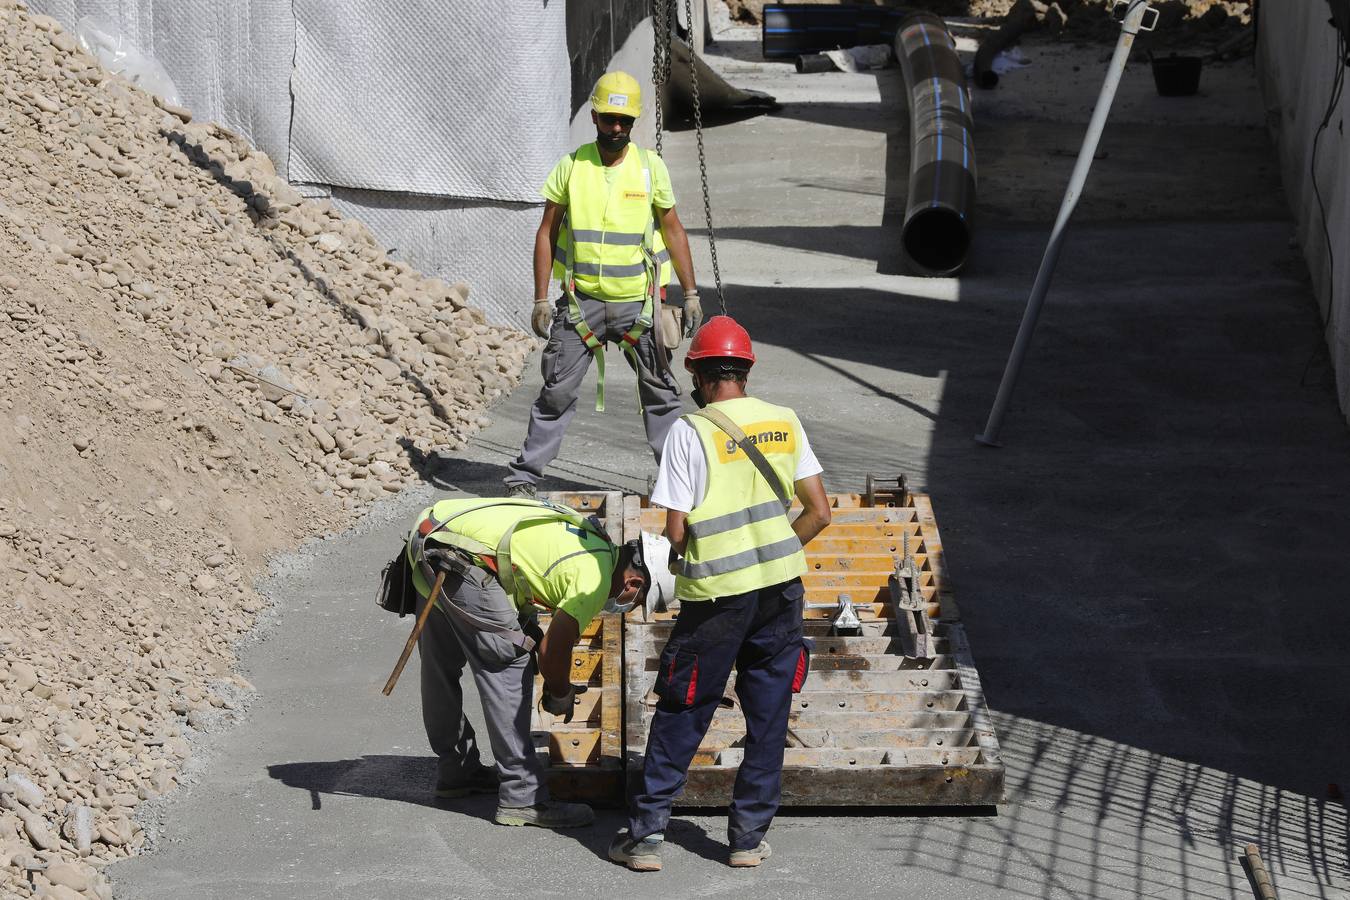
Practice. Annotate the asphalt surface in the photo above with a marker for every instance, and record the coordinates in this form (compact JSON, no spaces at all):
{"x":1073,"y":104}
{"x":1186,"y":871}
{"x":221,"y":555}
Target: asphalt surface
{"x":1151,"y":570}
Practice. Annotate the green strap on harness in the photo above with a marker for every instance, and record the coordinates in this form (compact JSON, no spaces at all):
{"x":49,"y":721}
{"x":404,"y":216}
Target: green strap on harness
{"x":506,"y":571}
{"x":644,"y":320}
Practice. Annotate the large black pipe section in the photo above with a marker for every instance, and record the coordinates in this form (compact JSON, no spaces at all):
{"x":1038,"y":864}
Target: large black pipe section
{"x":1021,"y":18}
{"x":937,"y":231}
{"x":796,"y":29}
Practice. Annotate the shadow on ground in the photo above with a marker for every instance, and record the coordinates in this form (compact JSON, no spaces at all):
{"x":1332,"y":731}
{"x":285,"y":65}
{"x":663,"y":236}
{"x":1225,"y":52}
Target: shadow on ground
{"x":408,"y":779}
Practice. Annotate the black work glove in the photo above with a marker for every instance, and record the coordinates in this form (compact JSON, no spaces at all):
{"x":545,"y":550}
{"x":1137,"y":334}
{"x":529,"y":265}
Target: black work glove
{"x":564,"y":705}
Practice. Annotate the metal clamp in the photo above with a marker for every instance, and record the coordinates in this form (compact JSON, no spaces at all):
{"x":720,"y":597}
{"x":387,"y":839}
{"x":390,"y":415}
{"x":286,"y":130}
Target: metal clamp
{"x":844,"y":620}
{"x":1121,"y":8}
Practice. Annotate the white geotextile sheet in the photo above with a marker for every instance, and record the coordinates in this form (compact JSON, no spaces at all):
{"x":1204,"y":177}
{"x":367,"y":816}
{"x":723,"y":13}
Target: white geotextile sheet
{"x":460,"y":99}
{"x":1297,"y":58}
{"x":487,"y":244}
{"x":230,"y":59}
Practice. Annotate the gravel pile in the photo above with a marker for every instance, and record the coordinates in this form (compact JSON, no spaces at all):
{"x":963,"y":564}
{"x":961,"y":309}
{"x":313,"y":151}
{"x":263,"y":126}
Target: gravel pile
{"x":198,"y":367}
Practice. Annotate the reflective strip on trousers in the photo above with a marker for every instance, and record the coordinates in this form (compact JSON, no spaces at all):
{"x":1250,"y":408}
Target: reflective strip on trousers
{"x":743,"y":560}
{"x":734,"y":520}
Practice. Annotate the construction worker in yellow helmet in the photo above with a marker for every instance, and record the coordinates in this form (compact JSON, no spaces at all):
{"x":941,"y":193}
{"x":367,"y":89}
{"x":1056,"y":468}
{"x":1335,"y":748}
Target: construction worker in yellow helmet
{"x":611,"y":236}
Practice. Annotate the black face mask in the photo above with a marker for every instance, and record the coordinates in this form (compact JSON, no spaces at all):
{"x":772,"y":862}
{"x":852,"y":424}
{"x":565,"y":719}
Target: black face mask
{"x":613,"y":143}
{"x":697,"y":395}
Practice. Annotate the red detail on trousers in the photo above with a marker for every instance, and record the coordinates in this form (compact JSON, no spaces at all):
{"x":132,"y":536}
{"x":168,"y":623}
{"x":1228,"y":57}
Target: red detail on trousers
{"x":693,"y":684}
{"x":799,"y":677}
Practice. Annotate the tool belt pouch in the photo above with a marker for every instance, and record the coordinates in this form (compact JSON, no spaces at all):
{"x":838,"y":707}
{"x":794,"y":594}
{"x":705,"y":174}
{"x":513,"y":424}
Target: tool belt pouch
{"x":397,"y":594}
{"x":672,"y":326}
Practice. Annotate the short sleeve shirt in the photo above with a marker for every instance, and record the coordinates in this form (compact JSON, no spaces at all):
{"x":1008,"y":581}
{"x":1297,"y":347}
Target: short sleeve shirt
{"x":663,"y":192}
{"x":682,"y":478}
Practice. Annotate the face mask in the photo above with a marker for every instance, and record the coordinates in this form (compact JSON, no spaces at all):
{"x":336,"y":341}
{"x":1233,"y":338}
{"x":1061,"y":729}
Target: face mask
{"x":698,"y":398}
{"x":612,"y":605}
{"x":612,"y":143}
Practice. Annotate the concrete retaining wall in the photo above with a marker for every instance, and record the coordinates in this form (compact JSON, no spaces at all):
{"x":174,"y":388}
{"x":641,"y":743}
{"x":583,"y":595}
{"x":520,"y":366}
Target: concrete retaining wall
{"x":1296,"y":58}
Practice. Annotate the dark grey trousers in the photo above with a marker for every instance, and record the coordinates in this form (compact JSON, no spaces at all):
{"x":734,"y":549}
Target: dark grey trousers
{"x":564,"y":366}
{"x":504,"y":675}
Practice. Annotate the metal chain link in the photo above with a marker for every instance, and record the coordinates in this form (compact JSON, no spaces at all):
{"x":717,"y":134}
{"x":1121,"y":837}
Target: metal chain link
{"x":662,"y":14}
{"x":702,"y":158}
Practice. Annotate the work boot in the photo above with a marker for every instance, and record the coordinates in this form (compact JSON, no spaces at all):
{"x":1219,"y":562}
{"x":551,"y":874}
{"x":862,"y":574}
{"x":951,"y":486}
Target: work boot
{"x":640,"y":856}
{"x":482,"y":780}
{"x":523,"y":491}
{"x":747,"y":858}
{"x":553,"y":814}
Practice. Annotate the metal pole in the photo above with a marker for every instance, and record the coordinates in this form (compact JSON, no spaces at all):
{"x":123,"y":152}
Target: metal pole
{"x":1129,"y":27}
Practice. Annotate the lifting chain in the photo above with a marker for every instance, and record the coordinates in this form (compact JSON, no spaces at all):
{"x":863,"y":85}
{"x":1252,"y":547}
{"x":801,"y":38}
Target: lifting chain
{"x":663,"y":14}
{"x":663,"y":26}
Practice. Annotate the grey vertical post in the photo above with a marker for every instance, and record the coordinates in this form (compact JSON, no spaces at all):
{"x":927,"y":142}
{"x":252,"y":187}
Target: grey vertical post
{"x":1129,"y":27}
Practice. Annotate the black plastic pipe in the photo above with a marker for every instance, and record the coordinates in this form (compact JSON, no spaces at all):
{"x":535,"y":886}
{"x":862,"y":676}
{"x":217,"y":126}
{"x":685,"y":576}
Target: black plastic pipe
{"x":937,"y":230}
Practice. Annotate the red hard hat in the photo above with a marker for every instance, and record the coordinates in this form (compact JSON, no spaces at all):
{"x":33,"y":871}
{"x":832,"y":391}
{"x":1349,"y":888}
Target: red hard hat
{"x":721,"y":336}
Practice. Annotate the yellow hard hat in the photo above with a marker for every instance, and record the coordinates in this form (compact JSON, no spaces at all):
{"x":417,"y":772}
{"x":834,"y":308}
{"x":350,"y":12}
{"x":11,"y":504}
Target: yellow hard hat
{"x":617,"y":93}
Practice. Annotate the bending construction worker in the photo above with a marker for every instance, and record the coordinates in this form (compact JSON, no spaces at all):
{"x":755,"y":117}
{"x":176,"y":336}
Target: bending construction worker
{"x":727,"y":479}
{"x":502,"y":558}
{"x":610,"y":234}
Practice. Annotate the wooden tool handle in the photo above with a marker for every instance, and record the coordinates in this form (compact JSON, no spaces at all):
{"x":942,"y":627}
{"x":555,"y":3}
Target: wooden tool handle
{"x":1261,"y":883}
{"x":416,"y":633}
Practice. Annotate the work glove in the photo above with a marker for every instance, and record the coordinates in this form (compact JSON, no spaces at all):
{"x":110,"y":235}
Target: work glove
{"x":693,"y":313}
{"x":563,"y":705}
{"x":542,"y":317}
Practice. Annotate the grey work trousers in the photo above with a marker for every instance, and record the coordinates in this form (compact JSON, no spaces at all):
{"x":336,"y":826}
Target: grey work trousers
{"x":564,"y":366}
{"x":504,"y":674}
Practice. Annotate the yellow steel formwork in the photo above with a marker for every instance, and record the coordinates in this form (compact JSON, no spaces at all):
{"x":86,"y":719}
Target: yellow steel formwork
{"x":871,"y":726}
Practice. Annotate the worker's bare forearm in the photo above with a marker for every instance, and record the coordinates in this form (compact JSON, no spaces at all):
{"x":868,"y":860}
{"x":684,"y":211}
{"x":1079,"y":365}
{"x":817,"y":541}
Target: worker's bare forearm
{"x":815,"y":514}
{"x":677,"y":243}
{"x":808,"y":525}
{"x":676,"y":532}
{"x":543,"y":263}
{"x":555,"y":653}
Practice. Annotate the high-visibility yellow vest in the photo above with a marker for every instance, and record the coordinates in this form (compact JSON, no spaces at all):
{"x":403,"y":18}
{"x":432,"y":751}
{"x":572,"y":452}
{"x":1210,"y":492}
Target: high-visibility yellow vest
{"x":740,"y":537}
{"x":605,"y":226}
{"x":539,"y":537}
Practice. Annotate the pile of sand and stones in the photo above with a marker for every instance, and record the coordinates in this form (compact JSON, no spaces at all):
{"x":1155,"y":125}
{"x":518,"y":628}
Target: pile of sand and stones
{"x":197,"y":368}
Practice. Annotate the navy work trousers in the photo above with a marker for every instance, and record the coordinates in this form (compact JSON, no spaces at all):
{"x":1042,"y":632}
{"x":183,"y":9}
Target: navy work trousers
{"x":760,"y":632}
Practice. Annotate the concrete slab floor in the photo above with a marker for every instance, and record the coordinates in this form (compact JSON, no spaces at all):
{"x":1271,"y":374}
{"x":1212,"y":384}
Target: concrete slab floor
{"x":1152,"y":570}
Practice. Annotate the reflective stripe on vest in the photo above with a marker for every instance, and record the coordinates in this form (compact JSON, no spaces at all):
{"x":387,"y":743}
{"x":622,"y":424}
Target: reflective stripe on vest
{"x":495,"y":538}
{"x":605,"y":225}
{"x":740,"y":539}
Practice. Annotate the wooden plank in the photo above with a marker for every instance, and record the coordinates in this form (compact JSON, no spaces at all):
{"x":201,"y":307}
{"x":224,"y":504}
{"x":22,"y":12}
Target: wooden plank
{"x":857,"y":702}
{"x":828,"y":758}
{"x":611,"y":707}
{"x":816,"y":738}
{"x":569,"y":747}
{"x":937,"y":786}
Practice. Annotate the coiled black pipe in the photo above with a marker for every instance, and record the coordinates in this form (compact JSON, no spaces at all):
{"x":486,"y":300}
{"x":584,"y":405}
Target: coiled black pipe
{"x":937,"y":230}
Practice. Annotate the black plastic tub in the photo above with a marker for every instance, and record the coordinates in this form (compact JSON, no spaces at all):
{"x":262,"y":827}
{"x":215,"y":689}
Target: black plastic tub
{"x":1176,"y":76}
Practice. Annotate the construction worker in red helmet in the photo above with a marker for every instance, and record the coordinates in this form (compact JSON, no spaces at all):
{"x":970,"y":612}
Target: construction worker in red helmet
{"x":727,"y":478}
{"x":611,"y":236}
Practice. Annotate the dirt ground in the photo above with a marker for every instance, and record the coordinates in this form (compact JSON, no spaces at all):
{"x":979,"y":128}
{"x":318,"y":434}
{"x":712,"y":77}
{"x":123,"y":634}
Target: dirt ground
{"x":197,"y":369}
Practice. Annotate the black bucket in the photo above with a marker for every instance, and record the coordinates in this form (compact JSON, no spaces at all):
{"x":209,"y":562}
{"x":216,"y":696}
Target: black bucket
{"x":1176,"y":76}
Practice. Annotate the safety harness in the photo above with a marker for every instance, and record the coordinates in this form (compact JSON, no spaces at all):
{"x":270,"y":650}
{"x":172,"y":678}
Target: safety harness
{"x":496,"y":559}
{"x":645,"y":317}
